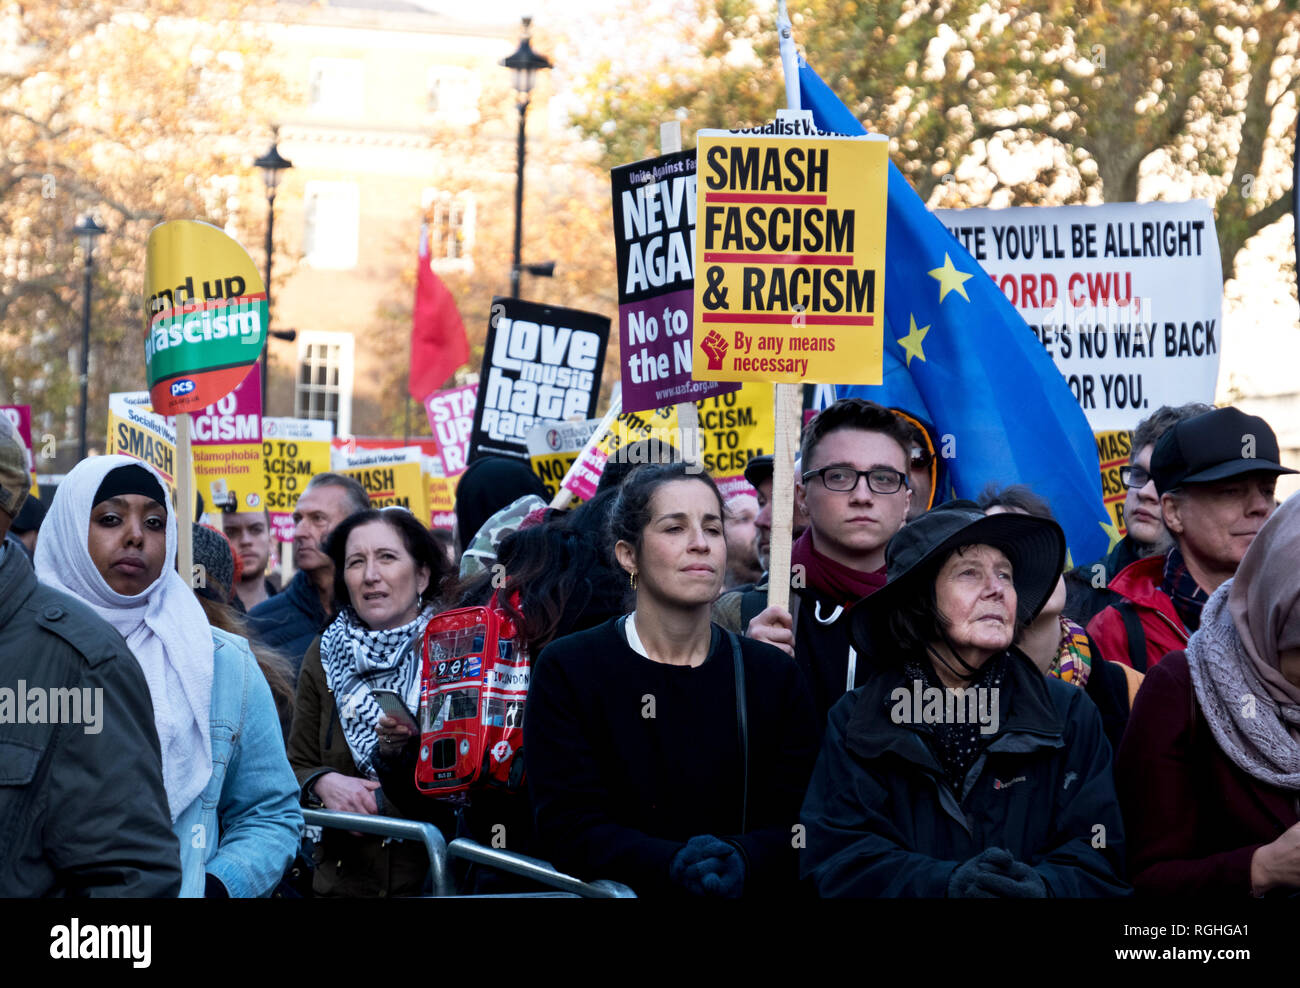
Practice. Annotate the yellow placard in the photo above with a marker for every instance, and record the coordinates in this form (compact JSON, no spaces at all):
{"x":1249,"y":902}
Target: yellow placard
{"x":205,"y":315}
{"x":734,"y":428}
{"x":293,"y":451}
{"x":135,"y":430}
{"x":440,"y":496}
{"x":789,"y":257}
{"x":1113,"y":449}
{"x":551,"y":468}
{"x":393,"y":483}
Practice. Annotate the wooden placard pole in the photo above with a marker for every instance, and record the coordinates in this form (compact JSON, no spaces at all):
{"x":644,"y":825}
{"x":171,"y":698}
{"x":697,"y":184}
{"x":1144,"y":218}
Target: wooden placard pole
{"x":787,"y":398}
{"x":184,"y":501}
{"x":688,"y":416}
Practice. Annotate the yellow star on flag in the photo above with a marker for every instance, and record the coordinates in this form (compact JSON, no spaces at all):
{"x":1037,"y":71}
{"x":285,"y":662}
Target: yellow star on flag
{"x":913,"y":340}
{"x":950,"y":279}
{"x":1112,"y":533}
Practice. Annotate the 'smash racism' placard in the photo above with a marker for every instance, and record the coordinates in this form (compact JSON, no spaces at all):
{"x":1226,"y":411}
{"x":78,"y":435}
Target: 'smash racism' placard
{"x":205,"y":315}
{"x":1126,"y":297}
{"x":226,"y":448}
{"x":135,"y":430}
{"x":390,"y":476}
{"x":293,"y":451}
{"x":451,"y":417}
{"x":540,"y":363}
{"x":654,"y":241}
{"x":790,"y":255}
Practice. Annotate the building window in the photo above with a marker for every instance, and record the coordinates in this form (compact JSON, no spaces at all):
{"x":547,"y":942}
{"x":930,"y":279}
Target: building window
{"x":332,"y":217}
{"x":450,"y":217}
{"x":335,"y":86}
{"x":324,"y":386}
{"x":453,"y":94}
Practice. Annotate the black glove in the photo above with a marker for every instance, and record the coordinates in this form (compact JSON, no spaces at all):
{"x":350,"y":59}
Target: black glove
{"x":963,"y":883}
{"x":708,"y":866}
{"x":1019,"y":881}
{"x":995,"y":874}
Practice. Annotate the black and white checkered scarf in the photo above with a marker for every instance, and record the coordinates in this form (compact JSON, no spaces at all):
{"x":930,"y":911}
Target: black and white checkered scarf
{"x":357,"y":660}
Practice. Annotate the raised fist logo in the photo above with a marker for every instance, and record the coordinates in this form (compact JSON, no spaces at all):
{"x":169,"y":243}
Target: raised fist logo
{"x":714,"y":346}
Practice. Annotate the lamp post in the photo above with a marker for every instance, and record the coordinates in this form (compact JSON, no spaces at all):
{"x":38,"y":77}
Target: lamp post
{"x":525,"y":64}
{"x":87,"y":230}
{"x":271,"y":163}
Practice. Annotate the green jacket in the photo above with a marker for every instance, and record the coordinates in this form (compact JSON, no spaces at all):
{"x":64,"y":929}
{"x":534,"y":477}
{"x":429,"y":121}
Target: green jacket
{"x":83,"y":811}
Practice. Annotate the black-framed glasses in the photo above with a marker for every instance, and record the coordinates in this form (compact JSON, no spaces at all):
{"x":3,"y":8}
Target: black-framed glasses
{"x":1134,"y":476}
{"x":881,"y":480}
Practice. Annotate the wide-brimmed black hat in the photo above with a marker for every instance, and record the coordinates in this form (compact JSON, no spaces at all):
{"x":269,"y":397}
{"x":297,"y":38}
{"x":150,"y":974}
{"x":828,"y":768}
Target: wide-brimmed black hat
{"x":1035,"y":546}
{"x":1214,"y":445}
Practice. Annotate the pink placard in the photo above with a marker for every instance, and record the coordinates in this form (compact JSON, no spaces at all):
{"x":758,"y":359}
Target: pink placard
{"x":451,"y":417}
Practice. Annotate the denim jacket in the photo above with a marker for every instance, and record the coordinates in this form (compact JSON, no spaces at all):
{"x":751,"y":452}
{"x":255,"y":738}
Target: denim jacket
{"x":245,"y":826}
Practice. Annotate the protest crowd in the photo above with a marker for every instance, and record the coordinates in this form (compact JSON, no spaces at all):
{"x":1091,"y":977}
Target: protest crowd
{"x":634,"y":652}
{"x":945,"y":709}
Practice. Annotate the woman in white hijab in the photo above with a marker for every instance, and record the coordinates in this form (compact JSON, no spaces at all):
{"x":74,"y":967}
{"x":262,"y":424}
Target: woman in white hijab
{"x":110,"y":539}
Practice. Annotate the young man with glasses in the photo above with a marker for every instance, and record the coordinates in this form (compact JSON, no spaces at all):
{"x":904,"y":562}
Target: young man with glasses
{"x":1215,"y":475}
{"x":854,"y":492}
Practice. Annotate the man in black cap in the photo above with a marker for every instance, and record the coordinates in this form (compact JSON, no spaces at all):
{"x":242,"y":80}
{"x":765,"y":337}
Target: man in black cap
{"x":1215,"y":474}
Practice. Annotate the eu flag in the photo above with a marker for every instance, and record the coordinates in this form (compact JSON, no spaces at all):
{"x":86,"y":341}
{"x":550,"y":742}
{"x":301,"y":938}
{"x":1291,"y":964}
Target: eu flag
{"x":959,"y":354}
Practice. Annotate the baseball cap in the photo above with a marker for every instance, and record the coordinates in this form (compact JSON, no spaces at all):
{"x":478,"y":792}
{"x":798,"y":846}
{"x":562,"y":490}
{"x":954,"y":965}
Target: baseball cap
{"x":1215,"y":445}
{"x":760,"y":469}
{"x":15,"y":481}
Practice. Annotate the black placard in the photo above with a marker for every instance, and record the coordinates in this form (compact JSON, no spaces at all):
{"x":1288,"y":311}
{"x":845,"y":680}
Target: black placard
{"x":540,"y":363}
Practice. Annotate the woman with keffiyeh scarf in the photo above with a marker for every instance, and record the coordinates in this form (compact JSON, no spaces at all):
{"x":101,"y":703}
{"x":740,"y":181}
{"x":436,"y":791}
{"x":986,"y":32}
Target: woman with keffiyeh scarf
{"x":388,"y":572}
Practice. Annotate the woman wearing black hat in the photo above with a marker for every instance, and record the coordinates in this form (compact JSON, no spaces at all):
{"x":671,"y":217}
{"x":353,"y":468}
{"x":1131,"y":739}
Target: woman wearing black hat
{"x":959,"y":770}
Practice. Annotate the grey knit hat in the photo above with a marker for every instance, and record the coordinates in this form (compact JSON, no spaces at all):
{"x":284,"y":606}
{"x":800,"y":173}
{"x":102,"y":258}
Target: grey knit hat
{"x":212,"y":551}
{"x":15,"y":480}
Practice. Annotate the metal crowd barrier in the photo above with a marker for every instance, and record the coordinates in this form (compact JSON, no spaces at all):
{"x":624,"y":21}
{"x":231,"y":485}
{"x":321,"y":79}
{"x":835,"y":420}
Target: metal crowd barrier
{"x":438,"y":850}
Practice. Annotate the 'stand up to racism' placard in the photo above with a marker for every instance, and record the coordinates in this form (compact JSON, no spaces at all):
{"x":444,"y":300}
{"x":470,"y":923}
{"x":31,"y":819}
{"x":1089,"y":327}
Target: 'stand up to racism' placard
{"x":790,"y":244}
{"x":1126,"y":297}
{"x":540,"y":363}
{"x":654,"y":240}
{"x":293,"y":451}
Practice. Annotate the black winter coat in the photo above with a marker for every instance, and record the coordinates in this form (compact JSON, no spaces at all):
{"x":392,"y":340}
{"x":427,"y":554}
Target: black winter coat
{"x":882,"y":822}
{"x":291,"y":620}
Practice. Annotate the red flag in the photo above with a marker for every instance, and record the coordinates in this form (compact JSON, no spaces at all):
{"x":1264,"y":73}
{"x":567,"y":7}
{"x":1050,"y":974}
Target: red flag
{"x":438,"y":343}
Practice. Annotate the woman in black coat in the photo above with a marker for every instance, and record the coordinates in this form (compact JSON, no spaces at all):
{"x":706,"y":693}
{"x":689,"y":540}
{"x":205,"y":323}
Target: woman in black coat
{"x":959,"y":769}
{"x":642,"y":765}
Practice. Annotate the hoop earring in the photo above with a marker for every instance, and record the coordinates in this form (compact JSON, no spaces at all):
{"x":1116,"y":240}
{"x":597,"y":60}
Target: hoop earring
{"x":632,"y":579}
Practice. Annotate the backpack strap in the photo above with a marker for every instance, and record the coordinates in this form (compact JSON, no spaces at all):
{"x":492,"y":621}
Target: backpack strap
{"x":1137,"y":639}
{"x":742,"y":726}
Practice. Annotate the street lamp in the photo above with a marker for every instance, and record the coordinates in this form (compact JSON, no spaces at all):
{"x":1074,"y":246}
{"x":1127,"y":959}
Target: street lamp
{"x":271,"y":163}
{"x":524,"y":63}
{"x":87,"y":229}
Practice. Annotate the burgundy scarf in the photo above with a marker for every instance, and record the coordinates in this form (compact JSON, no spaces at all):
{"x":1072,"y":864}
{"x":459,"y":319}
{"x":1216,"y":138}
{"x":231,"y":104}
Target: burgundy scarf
{"x":841,"y":583}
